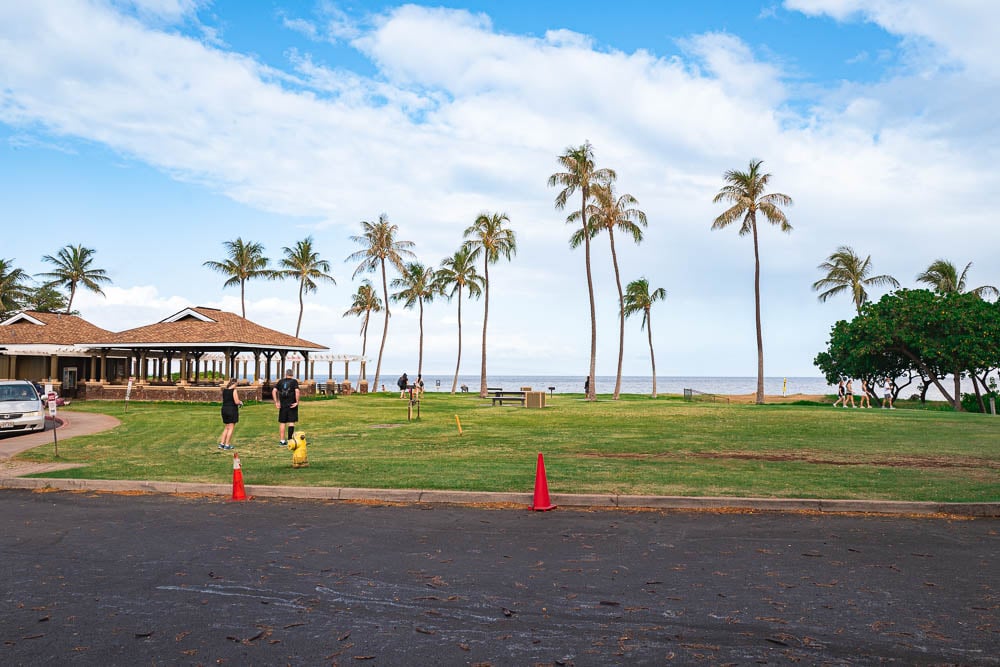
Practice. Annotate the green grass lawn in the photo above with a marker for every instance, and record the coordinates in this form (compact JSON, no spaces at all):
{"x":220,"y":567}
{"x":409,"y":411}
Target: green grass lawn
{"x":632,"y":446}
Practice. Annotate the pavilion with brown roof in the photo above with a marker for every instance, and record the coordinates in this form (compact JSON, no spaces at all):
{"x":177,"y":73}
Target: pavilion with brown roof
{"x":45,"y":346}
{"x":147,"y":354}
{"x":190,"y":335}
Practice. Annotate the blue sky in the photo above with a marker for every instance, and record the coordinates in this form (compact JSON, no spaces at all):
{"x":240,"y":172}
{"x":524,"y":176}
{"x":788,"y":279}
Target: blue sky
{"x":155,"y":130}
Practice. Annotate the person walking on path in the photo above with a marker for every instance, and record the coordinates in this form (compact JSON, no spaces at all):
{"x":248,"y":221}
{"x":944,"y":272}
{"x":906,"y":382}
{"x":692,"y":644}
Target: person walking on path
{"x":865,"y":402}
{"x":887,"y":396}
{"x":840,"y":394}
{"x":401,"y":383}
{"x":231,"y":405}
{"x":849,"y":395}
{"x":286,"y":399}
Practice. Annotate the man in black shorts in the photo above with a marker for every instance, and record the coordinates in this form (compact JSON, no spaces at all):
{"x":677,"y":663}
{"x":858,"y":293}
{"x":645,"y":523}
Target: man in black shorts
{"x":286,"y":399}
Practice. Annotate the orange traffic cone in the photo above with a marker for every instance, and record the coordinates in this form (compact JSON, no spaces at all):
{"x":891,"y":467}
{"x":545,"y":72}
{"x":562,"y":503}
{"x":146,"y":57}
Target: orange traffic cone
{"x":239,"y":493}
{"x":541,"y":501}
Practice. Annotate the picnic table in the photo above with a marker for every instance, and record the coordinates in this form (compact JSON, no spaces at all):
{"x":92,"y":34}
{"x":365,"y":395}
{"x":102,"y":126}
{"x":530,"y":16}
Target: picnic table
{"x":500,"y":396}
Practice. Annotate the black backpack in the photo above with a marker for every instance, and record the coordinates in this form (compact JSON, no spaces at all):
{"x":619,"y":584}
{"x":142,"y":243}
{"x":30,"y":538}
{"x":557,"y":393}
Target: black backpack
{"x":285,"y":390}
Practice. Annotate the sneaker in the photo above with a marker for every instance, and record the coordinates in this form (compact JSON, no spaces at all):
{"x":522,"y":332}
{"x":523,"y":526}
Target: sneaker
{"x":282,"y":443}
{"x":226,"y":447}
{"x":221,"y":446}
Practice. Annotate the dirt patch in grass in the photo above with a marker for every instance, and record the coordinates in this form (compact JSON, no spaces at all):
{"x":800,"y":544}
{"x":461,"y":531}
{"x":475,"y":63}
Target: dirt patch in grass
{"x":803,"y":457}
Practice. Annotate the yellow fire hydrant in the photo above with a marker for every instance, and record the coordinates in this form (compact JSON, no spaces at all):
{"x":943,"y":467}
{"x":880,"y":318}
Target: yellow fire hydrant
{"x":297,"y":445}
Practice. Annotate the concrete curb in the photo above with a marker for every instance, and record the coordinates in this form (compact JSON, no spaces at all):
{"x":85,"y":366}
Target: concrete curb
{"x":416,"y":496}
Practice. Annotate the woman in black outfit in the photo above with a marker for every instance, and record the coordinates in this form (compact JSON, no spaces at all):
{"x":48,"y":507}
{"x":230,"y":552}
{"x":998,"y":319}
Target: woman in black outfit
{"x":230,"y":413}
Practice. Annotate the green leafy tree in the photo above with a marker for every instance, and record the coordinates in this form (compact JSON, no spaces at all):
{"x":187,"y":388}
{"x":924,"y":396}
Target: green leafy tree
{"x":46,"y":299}
{"x":12,"y":287}
{"x":846,"y":272}
{"x":943,"y":278}
{"x":746,"y":191}
{"x":245,"y":261}
{"x":488,"y":237}
{"x":607,"y":214}
{"x":935,"y":334}
{"x":417,"y":286}
{"x":456,"y":275}
{"x":380,"y":247}
{"x":582,"y":175}
{"x":365,"y":302}
{"x":73,"y":267}
{"x":304,"y":264}
{"x":638,"y":299}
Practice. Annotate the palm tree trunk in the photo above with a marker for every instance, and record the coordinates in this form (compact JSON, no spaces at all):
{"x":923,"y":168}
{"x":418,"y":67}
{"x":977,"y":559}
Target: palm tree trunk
{"x":458,"y":364}
{"x":385,"y":328}
{"x":486,"y":313}
{"x":72,"y":293}
{"x":621,"y":316}
{"x":591,"y":389}
{"x":420,"y":353}
{"x":302,"y":305}
{"x":756,"y":296}
{"x":243,"y":298}
{"x":652,"y":359}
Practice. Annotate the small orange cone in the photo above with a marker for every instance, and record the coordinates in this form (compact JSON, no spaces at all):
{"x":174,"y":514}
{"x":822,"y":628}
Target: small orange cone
{"x":541,"y":501}
{"x":239,"y":493}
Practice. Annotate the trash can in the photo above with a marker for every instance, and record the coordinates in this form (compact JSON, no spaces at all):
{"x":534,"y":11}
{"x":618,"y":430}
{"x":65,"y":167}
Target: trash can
{"x":534,"y":399}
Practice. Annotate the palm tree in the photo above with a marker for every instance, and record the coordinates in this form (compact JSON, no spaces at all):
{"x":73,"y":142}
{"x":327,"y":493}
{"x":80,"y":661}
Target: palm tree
{"x":246,"y":261}
{"x":416,"y":286}
{"x":487,"y":236}
{"x":365,"y":303}
{"x":380,"y":246}
{"x":639,"y":298}
{"x":745,"y":191}
{"x":609,"y":213}
{"x":304,"y":263}
{"x":72,"y":268}
{"x":581,"y":174}
{"x":845,"y":271}
{"x":458,"y":273}
{"x":12,"y":288}
{"x":943,"y":278}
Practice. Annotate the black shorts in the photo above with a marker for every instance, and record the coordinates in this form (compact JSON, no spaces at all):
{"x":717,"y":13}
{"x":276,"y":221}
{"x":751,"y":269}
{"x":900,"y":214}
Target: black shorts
{"x":230,"y":414}
{"x":288,"y":414}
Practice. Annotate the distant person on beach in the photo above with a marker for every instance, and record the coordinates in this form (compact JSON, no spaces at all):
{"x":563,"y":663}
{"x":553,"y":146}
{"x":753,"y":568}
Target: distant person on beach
{"x":231,"y":405}
{"x":849,"y":395}
{"x":419,"y":385}
{"x":401,"y":383}
{"x":865,"y":402}
{"x":286,"y":399}
{"x":887,"y":396}
{"x":586,"y":386}
{"x":840,"y":394}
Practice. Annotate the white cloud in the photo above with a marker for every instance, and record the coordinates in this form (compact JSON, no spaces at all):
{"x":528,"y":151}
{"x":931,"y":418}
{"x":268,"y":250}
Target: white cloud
{"x":461,"y":118}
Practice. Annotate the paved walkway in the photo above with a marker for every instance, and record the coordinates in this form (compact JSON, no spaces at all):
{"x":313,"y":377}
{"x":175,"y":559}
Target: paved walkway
{"x":80,"y":423}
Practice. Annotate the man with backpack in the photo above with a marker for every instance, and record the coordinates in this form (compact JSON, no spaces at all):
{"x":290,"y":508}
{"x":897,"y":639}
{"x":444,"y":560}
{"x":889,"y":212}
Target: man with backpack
{"x":286,"y":398}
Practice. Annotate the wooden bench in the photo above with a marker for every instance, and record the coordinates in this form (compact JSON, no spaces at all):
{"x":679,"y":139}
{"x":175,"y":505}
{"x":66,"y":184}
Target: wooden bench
{"x":502,"y":397}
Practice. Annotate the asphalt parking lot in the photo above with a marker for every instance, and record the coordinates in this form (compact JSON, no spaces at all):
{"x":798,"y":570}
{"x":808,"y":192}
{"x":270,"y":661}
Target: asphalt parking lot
{"x":124,"y":579}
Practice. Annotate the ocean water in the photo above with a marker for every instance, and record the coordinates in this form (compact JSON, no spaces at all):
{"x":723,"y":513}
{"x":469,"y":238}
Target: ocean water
{"x":631,"y":384}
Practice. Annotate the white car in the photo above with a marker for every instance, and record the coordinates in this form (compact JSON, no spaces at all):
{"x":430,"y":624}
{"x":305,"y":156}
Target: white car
{"x":21,"y":408}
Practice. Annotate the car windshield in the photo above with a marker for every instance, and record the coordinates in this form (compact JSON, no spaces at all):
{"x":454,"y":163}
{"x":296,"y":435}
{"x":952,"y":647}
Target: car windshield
{"x":17,"y":392}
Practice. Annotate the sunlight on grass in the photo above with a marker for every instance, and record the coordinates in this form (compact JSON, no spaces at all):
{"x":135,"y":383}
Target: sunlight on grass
{"x":633,"y":446}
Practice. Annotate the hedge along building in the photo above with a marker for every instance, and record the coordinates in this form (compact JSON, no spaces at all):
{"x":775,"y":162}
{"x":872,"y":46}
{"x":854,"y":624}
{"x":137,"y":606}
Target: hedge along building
{"x":182,"y":341}
{"x":45,"y":347}
{"x":149,"y":354}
